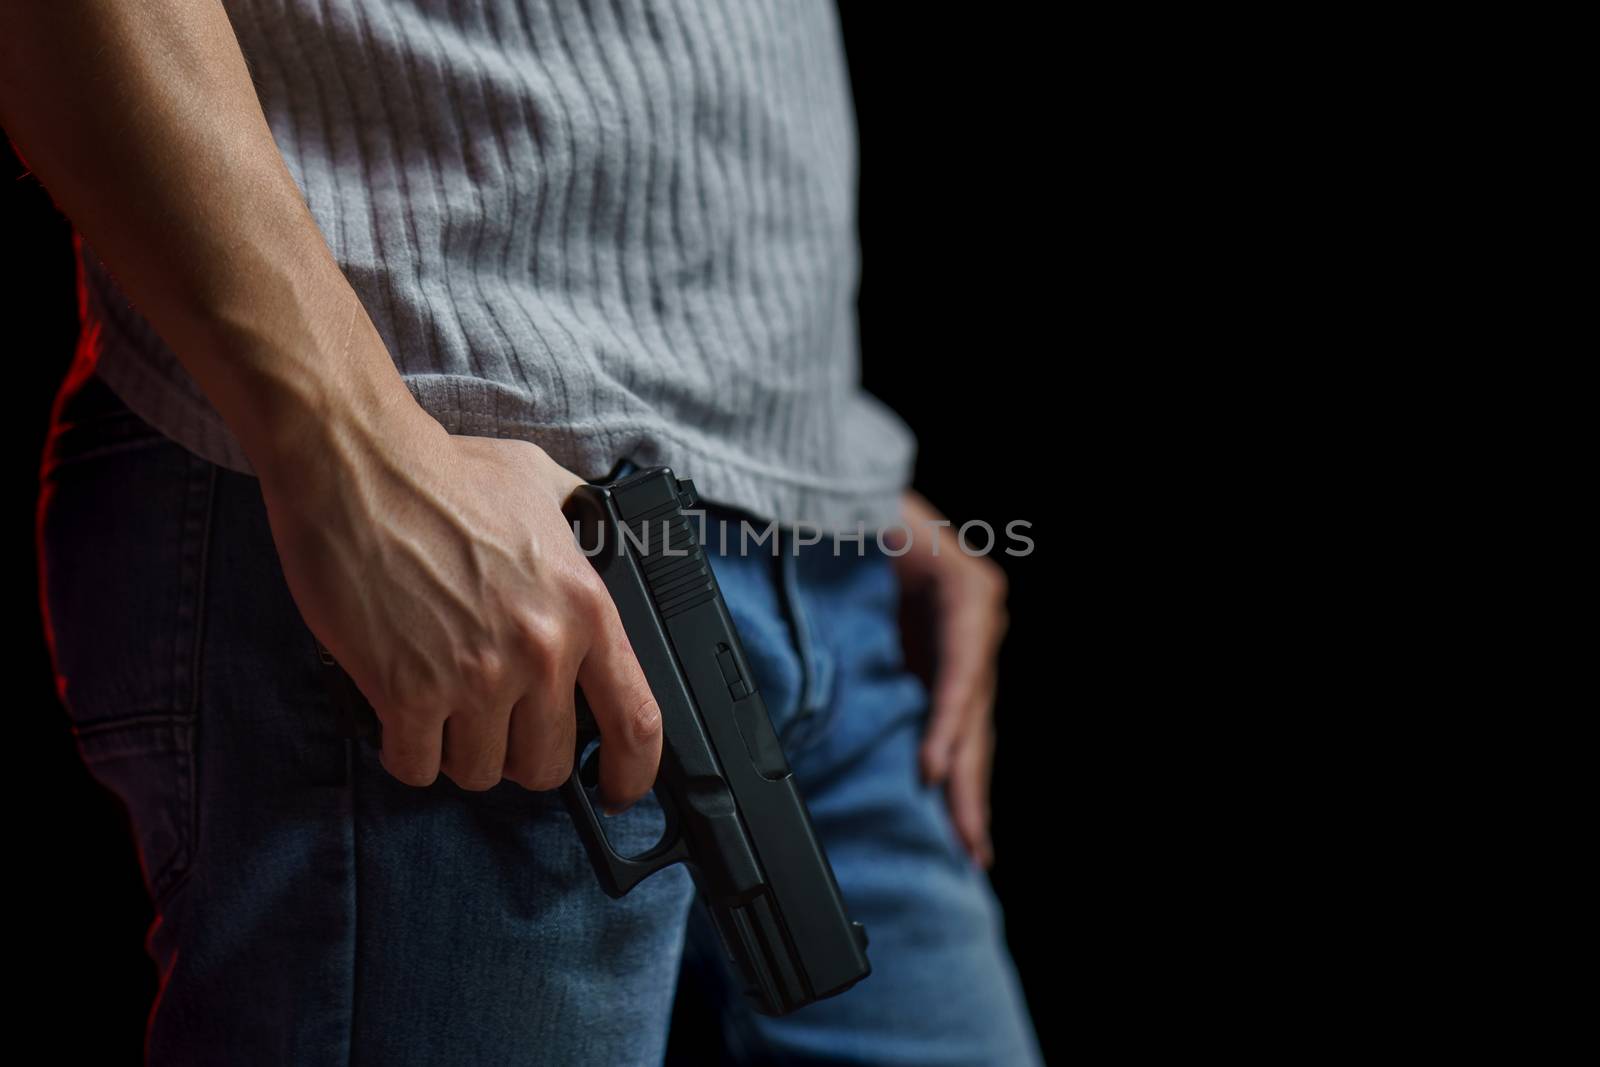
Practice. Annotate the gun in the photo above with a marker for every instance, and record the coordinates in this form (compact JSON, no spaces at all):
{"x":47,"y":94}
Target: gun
{"x":734,"y":815}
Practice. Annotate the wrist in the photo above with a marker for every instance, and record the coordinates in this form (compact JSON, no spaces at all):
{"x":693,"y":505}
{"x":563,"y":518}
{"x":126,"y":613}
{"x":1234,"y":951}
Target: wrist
{"x":314,"y":397}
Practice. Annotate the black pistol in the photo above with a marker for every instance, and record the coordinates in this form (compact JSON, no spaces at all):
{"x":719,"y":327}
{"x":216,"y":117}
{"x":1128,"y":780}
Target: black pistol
{"x":733,"y":812}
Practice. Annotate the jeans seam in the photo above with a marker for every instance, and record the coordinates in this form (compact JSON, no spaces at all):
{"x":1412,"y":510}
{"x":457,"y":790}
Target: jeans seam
{"x":185,"y":727}
{"x":202,"y":584}
{"x":814,"y":668}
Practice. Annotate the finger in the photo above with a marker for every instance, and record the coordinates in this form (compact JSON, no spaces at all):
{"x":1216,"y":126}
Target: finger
{"x":474,"y":749}
{"x":968,"y":792}
{"x":625,"y":711}
{"x":543,"y":739}
{"x":963,"y":658}
{"x":411,"y":750}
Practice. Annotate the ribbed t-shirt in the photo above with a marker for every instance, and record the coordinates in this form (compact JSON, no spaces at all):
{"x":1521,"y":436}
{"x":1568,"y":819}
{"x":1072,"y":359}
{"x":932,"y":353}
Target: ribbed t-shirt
{"x":616,"y":228}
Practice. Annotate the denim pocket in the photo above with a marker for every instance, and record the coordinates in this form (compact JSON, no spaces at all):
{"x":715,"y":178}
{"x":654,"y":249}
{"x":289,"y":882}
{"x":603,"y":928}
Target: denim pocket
{"x":147,"y":762}
{"x":123,"y":524}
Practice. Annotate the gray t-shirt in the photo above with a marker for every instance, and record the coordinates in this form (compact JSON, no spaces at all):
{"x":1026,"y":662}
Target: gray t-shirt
{"x":621,"y":228}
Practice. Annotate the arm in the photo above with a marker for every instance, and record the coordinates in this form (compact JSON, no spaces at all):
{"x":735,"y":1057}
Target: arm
{"x":437,"y":568}
{"x":142,"y":122}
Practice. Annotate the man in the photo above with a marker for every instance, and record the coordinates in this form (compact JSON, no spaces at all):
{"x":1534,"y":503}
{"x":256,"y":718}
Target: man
{"x":406,"y":273}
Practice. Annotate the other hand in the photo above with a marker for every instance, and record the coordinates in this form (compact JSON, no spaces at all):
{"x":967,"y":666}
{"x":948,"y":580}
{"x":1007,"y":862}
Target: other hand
{"x":953,"y":618}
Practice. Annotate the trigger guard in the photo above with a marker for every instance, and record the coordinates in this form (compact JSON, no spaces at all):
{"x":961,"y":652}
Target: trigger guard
{"x":618,"y":873}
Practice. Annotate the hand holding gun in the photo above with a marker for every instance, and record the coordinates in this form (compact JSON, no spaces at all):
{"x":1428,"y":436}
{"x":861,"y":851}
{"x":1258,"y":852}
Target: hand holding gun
{"x":733,"y":812}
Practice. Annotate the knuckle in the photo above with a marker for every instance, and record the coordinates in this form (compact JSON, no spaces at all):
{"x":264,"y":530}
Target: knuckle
{"x":411,"y":772}
{"x":549,"y":774}
{"x":403,"y":697}
{"x":392,"y":705}
{"x":476,"y":779}
{"x":589,"y":599}
{"x":410,"y":685}
{"x":484,"y":673}
{"x":411,"y":712}
{"x":542,"y":639}
{"x":643,"y":723}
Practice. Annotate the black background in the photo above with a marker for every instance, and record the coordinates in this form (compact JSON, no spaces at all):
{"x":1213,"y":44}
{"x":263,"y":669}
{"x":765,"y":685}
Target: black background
{"x":963,"y":332}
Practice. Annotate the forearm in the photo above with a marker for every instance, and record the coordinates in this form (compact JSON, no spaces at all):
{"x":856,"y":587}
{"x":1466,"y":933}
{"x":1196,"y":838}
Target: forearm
{"x":142,"y":121}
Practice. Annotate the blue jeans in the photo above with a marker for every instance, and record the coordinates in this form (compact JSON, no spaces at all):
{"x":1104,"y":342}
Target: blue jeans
{"x":313,"y":910}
